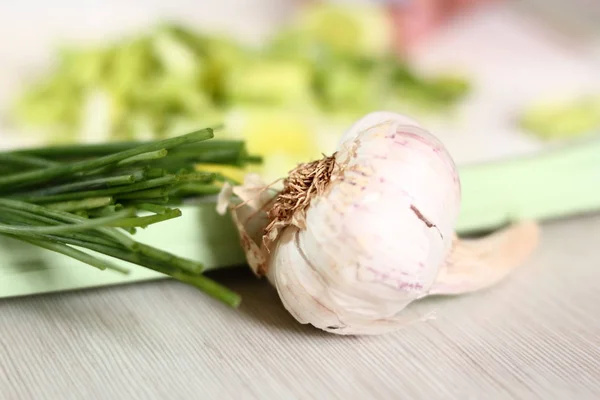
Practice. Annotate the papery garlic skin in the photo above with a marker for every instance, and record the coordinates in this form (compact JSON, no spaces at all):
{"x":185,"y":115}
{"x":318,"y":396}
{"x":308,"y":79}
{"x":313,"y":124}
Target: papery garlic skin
{"x":375,"y":241}
{"x":377,"y":236}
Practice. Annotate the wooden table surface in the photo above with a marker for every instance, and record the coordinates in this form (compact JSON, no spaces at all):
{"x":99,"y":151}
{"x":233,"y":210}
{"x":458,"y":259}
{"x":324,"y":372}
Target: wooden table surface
{"x":535,"y":336}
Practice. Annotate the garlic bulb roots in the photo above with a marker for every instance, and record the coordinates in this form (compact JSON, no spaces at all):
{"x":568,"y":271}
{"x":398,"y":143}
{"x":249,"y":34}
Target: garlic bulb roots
{"x":352,"y":239}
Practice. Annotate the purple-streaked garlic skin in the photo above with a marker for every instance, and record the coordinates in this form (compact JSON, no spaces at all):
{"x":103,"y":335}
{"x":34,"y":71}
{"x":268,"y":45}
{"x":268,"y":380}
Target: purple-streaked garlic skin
{"x":375,"y":241}
{"x":380,"y":235}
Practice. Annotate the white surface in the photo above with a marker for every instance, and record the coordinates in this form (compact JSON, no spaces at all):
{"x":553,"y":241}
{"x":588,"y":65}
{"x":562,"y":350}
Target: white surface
{"x":512,"y":59}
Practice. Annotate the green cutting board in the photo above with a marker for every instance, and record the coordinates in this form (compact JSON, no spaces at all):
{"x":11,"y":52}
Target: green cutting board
{"x":554,"y":184}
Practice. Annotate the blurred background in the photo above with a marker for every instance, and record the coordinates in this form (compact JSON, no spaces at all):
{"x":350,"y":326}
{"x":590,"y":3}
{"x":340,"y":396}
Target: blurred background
{"x":491,"y":78}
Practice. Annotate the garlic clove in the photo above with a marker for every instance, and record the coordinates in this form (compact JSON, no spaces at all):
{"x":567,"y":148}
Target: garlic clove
{"x":313,"y":299}
{"x":300,"y":290}
{"x":477,"y":264}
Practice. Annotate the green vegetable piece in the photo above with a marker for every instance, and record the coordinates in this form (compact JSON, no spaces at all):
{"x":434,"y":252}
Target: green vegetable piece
{"x":84,"y":66}
{"x":270,"y":81}
{"x":563,"y":119}
{"x":358,"y":31}
{"x":174,"y":55}
{"x":79,"y":205}
{"x":347,"y":86}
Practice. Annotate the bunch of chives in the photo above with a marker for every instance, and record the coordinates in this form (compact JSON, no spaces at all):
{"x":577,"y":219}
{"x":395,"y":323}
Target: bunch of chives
{"x":84,"y":199}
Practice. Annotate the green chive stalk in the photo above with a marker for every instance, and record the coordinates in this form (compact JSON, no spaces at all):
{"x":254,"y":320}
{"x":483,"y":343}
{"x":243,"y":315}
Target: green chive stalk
{"x":86,"y":201}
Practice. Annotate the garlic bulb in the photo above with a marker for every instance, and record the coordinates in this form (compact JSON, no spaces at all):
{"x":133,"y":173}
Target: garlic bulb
{"x":352,"y":239}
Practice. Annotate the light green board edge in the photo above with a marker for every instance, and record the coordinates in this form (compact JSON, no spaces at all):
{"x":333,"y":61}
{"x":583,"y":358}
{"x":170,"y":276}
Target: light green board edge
{"x":554,"y":184}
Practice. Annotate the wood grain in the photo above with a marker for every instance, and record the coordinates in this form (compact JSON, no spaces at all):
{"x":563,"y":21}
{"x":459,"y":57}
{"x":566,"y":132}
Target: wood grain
{"x":537,"y":335}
